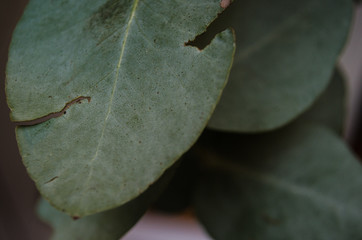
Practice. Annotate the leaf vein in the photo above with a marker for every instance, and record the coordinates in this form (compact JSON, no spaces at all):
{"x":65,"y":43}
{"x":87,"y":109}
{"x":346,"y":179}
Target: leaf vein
{"x":134,"y":7}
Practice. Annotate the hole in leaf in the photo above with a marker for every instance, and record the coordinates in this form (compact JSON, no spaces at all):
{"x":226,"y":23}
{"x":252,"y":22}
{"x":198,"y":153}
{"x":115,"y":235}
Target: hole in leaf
{"x":221,"y":22}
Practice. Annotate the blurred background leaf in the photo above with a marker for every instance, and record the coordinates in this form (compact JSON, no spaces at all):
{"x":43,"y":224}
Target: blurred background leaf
{"x":285,"y":55}
{"x":300,"y":182}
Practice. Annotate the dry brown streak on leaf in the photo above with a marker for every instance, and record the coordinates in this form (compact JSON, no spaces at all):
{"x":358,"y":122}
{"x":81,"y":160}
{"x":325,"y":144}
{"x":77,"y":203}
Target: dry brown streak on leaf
{"x":54,"y":114}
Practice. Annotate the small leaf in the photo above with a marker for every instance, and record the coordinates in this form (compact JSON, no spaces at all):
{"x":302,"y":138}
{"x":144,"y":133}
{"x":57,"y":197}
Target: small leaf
{"x":285,"y":54}
{"x":108,"y":225}
{"x":300,"y":182}
{"x":150,"y":95}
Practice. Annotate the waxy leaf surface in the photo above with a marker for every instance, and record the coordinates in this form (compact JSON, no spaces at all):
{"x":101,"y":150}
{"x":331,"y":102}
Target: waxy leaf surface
{"x":137,"y":96}
{"x":285,"y":55}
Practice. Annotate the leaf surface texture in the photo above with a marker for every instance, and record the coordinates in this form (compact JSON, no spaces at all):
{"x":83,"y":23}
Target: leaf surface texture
{"x":150,"y":95}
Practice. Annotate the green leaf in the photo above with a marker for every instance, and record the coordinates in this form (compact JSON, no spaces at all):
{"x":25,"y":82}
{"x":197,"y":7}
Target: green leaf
{"x":285,"y":55}
{"x":300,"y":182}
{"x":330,"y":108}
{"x":108,"y":225}
{"x":149,"y":95}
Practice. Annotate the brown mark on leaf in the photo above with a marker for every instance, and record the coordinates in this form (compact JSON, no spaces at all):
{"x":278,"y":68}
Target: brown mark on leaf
{"x":51,"y":180}
{"x":225,"y":3}
{"x":109,"y":13}
{"x":75,"y":217}
{"x":54,"y":114}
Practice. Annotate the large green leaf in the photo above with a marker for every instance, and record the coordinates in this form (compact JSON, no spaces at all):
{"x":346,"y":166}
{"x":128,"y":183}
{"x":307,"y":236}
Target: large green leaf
{"x":108,"y":225}
{"x":301,"y":182}
{"x":285,"y":55}
{"x":149,"y":95}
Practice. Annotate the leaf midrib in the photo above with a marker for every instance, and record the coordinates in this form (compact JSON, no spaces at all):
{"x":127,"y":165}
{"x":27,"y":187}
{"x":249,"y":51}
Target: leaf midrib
{"x":130,"y":20}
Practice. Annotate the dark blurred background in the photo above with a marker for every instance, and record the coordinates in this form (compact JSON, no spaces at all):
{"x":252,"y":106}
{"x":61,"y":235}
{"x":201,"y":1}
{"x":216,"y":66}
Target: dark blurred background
{"x":17,"y":192}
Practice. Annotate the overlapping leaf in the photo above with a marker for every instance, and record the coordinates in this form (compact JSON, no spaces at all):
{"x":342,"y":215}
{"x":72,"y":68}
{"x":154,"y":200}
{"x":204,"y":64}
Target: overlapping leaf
{"x":178,"y":194}
{"x":108,"y":225}
{"x":149,"y":95}
{"x":294,"y":183}
{"x":285,"y":55}
{"x":330,"y":108}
